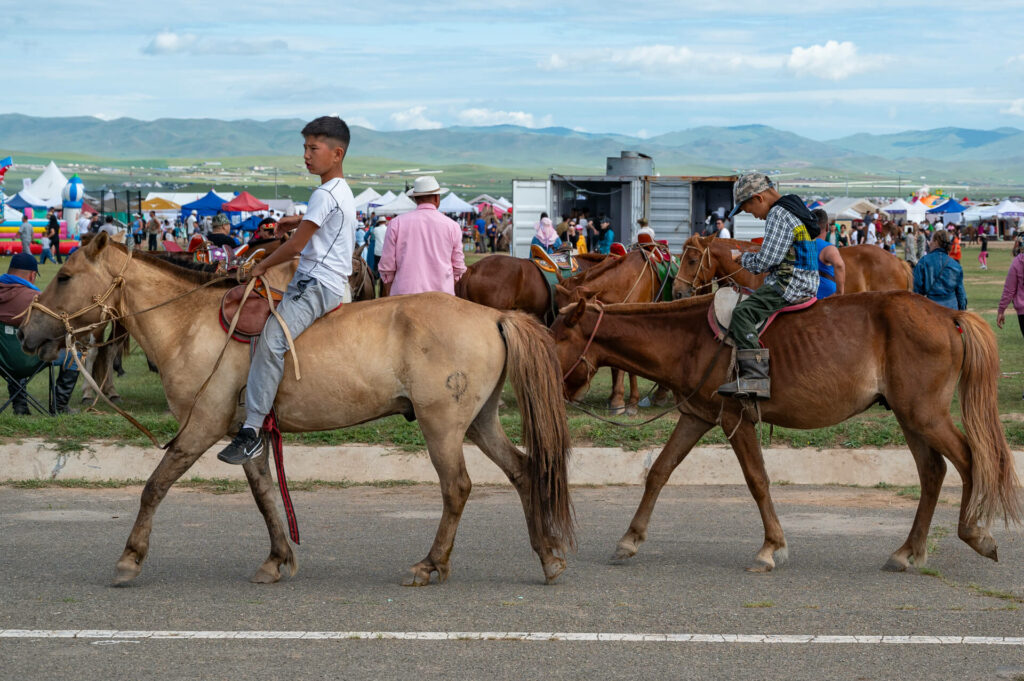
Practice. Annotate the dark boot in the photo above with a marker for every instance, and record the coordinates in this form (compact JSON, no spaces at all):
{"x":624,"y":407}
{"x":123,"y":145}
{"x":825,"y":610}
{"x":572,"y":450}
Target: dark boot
{"x":19,"y":402}
{"x":752,"y":382}
{"x":245,"y":447}
{"x":62,"y":389}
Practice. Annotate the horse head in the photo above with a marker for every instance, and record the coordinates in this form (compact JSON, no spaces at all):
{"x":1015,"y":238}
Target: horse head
{"x":696,"y":268}
{"x":85,"y":291}
{"x":572,"y":345}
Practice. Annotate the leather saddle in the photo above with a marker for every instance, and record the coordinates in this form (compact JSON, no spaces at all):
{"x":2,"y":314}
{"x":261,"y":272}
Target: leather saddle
{"x":255,"y":311}
{"x":564,"y":263}
{"x":726,"y":299}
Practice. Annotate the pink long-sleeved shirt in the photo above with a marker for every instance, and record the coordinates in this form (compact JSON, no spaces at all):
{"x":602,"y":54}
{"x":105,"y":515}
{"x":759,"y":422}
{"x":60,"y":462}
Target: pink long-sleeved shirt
{"x":422,"y":252}
{"x":1013,"y":290}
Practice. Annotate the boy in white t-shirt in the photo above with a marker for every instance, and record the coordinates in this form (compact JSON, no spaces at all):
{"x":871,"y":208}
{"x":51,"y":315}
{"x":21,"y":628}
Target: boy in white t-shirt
{"x":324,"y":241}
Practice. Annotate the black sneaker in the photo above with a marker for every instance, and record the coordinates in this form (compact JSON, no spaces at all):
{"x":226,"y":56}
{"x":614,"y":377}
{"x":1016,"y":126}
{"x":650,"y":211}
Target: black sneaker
{"x":246,"y":446}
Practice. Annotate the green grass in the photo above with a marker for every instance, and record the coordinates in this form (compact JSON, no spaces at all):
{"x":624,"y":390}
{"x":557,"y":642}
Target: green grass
{"x":143,"y":397}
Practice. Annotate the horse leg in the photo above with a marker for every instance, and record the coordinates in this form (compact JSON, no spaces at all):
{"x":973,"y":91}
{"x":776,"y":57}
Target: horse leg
{"x":931,"y":469}
{"x":688,"y":431}
{"x":487,"y":434}
{"x":942,"y":436}
{"x":748,"y":452}
{"x":445,"y":447}
{"x":634,"y":396}
{"x":617,"y":402}
{"x":662,"y":396}
{"x":171,"y":467}
{"x":262,"y":486}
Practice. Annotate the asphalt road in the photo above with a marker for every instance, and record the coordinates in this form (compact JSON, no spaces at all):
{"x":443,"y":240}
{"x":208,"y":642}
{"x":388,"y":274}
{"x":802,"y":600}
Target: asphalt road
{"x":58,"y":549}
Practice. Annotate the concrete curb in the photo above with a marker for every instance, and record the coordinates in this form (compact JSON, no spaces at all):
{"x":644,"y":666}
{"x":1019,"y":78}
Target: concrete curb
{"x":39,"y":460}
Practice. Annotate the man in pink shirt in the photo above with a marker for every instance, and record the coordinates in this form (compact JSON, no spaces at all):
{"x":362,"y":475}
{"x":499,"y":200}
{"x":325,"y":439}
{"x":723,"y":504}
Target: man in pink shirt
{"x":423,"y":248}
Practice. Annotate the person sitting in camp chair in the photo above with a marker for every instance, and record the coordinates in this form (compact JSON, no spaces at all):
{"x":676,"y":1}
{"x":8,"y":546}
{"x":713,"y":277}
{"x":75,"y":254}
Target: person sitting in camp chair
{"x":17,"y":291}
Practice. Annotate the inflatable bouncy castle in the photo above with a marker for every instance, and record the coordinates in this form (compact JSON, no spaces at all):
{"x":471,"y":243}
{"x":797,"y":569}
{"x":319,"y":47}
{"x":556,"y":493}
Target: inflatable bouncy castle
{"x":50,"y":190}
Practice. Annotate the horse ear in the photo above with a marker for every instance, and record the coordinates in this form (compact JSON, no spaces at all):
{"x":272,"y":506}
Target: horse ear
{"x":577,"y":314}
{"x":96,"y":244}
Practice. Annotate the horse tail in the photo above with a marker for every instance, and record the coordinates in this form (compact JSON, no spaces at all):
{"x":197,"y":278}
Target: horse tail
{"x":909,"y":271}
{"x":462,"y":285}
{"x":535,"y":374}
{"x":995,"y":485}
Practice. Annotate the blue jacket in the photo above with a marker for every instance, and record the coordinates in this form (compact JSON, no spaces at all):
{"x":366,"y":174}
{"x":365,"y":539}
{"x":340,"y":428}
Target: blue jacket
{"x":941,"y":278}
{"x":605,"y":241}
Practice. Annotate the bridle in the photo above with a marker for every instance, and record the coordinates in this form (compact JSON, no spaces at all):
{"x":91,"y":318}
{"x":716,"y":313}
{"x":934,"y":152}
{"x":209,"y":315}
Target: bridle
{"x":583,"y":354}
{"x":107,"y":313}
{"x":705,"y":256}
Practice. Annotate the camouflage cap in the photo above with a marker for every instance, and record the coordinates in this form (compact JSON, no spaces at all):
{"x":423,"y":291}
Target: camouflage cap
{"x":748,"y":185}
{"x":220,"y":219}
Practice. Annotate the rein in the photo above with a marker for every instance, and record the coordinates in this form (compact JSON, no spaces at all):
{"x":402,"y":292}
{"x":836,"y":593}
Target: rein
{"x":621,"y":424}
{"x":705,"y":254}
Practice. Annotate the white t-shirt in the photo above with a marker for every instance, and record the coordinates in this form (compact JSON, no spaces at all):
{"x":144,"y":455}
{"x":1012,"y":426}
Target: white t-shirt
{"x":327,"y":256}
{"x":724,"y":233}
{"x":83,"y":224}
{"x":190,"y":223}
{"x":109,"y":228}
{"x":379,"y":232}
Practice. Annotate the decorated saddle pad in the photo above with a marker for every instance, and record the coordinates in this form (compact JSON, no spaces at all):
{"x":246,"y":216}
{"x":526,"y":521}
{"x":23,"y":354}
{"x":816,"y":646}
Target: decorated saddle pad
{"x":560,"y":260}
{"x":726,"y":299}
{"x":254,"y":315}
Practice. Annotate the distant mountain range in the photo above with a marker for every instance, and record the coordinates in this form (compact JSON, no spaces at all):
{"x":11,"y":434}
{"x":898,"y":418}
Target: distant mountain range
{"x":953,"y":153}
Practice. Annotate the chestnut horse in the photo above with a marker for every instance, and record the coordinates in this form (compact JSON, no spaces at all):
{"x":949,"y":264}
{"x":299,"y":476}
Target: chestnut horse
{"x":508,"y":283}
{"x":829,"y":362}
{"x":707,"y":260}
{"x":447,"y":376}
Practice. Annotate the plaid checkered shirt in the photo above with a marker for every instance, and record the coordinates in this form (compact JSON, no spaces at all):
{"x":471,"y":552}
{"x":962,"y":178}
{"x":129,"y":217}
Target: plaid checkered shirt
{"x":788,"y":255}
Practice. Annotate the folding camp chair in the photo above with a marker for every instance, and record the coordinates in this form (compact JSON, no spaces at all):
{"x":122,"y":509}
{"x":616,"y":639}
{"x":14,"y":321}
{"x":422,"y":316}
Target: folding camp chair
{"x":20,"y":368}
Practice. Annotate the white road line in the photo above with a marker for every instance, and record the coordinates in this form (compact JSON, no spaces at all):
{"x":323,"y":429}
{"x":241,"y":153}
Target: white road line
{"x":113,"y":634}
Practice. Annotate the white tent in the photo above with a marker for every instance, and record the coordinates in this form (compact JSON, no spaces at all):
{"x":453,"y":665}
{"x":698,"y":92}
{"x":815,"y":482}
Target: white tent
{"x":504,"y":203}
{"x":10,"y":214}
{"x":976,"y":213}
{"x":49,"y":185}
{"x":911,"y":212}
{"x":397,"y":206}
{"x":483,"y":198}
{"x":181,"y":198}
{"x":30,"y":197}
{"x":1009,"y":209}
{"x":388,"y":197}
{"x":365,"y":197}
{"x":848,"y":208}
{"x":453,"y":204}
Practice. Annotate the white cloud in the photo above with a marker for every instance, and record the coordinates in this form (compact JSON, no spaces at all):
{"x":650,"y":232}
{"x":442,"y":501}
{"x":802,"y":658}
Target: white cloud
{"x":105,"y":116}
{"x":831,"y":61}
{"x":648,"y":56}
{"x":1016,"y":108}
{"x":360,"y":121}
{"x":491,"y":117}
{"x":554,"y":62}
{"x":169,"y":42}
{"x":642,"y":133}
{"x":414,"y":119}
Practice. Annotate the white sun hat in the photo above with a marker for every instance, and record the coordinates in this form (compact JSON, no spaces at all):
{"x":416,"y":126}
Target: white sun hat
{"x":425,"y":185}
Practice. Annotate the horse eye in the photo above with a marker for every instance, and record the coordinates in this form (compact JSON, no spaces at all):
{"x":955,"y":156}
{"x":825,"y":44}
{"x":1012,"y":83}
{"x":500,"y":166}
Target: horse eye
{"x":61,"y":277}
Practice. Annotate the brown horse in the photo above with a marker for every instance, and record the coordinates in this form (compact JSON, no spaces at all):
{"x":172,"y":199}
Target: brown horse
{"x":508,"y":283}
{"x":829,"y":362}
{"x":447,"y":376}
{"x":708,"y":260}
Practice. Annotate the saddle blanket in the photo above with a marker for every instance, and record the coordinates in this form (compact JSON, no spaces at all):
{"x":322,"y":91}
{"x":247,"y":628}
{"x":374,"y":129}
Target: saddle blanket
{"x":726,"y":299}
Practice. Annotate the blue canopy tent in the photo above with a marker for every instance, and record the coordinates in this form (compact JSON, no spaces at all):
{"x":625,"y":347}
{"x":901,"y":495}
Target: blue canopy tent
{"x":25,"y":199}
{"x":205,"y":206}
{"x":950,"y":206}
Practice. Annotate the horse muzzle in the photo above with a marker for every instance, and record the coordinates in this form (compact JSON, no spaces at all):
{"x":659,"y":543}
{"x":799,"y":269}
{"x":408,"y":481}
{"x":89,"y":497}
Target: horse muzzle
{"x":36,"y":341}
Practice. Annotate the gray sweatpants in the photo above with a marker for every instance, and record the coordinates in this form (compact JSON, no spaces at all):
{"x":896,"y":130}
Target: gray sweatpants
{"x":305,"y":301}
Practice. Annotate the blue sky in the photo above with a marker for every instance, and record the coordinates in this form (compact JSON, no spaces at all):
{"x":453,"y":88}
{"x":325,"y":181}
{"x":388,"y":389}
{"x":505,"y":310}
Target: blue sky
{"x":822,"y":70}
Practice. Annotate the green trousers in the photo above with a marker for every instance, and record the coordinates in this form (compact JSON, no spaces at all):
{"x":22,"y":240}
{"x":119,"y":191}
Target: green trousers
{"x":752,"y":311}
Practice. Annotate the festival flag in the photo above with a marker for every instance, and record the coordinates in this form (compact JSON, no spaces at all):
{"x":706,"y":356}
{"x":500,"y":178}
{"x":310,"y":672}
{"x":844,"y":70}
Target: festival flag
{"x":6,"y":162}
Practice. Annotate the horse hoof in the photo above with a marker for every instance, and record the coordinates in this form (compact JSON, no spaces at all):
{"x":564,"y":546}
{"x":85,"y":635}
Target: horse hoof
{"x":781,"y":555}
{"x":553,"y":569}
{"x":265,"y":576}
{"x":616,"y":411}
{"x":624,"y":551}
{"x":124,"y":574}
{"x":893,"y":565}
{"x":631,"y":411}
{"x":419,"y":577}
{"x":761,"y":567}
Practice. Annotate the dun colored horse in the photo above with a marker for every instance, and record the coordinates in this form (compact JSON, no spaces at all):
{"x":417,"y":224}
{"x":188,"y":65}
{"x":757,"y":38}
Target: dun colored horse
{"x":829,"y":362}
{"x":447,"y":376}
{"x":707,"y":260}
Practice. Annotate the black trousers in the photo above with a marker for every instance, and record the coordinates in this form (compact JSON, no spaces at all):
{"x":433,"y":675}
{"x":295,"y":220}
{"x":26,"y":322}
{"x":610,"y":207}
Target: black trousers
{"x":1020,"y":321}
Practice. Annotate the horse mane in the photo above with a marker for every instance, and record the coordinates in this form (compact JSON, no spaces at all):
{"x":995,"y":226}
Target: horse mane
{"x":600,"y":268}
{"x":647,"y":308}
{"x":188,"y":273}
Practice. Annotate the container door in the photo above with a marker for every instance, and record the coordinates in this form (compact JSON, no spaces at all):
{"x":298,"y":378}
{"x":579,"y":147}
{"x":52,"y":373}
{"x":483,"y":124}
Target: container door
{"x":636,"y":208}
{"x":668,"y":210}
{"x":530,"y":198}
